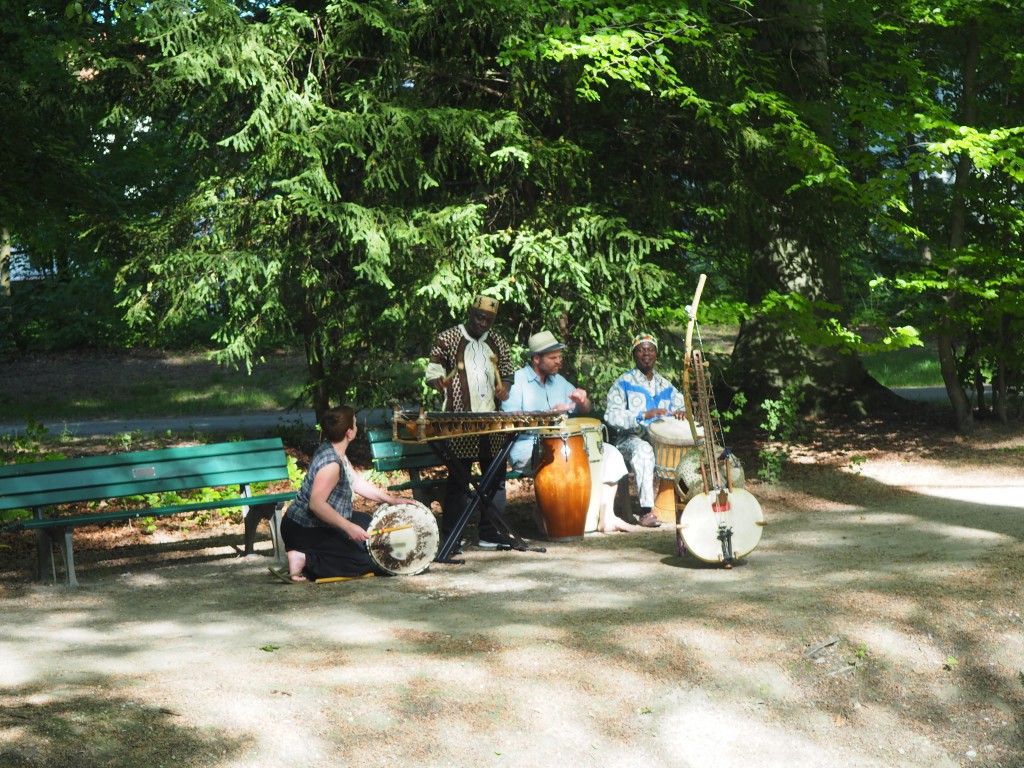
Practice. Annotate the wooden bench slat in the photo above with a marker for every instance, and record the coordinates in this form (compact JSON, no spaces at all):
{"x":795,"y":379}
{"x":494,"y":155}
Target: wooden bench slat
{"x":134,"y":514}
{"x":205,"y":451}
{"x":174,"y":469}
{"x":110,"y":490}
{"x":399,"y":450}
{"x":393,"y":464}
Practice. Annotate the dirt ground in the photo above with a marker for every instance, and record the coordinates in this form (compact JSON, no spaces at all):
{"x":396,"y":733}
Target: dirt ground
{"x":877,"y":624}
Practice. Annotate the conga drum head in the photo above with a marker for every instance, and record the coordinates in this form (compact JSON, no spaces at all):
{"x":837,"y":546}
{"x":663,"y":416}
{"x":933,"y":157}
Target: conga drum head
{"x":403,"y":538}
{"x":580,"y":423}
{"x":699,"y":526}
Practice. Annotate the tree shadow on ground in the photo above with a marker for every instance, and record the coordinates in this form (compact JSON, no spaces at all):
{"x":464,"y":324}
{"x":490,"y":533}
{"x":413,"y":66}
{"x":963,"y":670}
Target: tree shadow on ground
{"x":87,"y":724}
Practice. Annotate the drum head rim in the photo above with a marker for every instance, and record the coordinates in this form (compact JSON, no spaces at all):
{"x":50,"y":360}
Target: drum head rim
{"x":585,"y":422}
{"x":432,"y":539}
{"x":657,"y":436}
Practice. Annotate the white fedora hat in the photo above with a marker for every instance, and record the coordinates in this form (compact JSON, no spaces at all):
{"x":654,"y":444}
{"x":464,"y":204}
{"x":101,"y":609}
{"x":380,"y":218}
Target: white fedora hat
{"x":543,"y":342}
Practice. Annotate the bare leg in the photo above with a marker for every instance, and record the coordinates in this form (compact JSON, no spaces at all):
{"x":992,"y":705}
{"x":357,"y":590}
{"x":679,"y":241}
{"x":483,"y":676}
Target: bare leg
{"x":608,"y":521}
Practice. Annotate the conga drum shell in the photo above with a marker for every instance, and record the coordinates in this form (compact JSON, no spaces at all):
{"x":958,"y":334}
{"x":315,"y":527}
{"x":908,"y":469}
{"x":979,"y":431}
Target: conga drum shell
{"x":593,"y":431}
{"x":562,"y":486}
{"x":411,"y":546}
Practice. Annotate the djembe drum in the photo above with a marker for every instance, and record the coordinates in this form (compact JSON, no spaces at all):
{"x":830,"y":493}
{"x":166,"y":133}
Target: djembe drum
{"x":671,"y":439}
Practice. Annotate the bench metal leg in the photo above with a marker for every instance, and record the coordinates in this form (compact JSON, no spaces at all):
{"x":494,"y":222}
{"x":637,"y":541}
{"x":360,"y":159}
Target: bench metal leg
{"x":45,"y":542}
{"x":272,"y":513}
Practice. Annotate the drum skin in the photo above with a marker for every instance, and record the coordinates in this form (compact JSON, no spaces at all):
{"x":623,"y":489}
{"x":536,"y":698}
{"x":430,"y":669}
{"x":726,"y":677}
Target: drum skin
{"x":699,"y":524}
{"x":410,"y":550}
{"x":562,"y":485}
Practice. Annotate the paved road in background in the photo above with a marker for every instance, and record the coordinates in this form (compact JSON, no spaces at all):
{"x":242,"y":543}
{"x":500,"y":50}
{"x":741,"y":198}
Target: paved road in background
{"x":239,"y":424}
{"x":262,"y":422}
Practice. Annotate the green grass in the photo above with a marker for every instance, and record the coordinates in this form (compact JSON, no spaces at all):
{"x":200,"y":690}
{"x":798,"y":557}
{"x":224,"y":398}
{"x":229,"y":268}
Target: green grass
{"x":911,"y":367}
{"x":133,"y":386}
{"x":82,"y":388}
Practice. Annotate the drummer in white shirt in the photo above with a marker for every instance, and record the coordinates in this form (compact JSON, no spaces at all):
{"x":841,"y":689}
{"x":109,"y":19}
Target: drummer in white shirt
{"x":539,"y":386}
{"x":637,"y":398}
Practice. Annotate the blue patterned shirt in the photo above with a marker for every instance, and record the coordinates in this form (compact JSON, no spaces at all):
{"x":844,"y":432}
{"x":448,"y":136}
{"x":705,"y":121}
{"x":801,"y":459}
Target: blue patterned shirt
{"x":632,"y":395}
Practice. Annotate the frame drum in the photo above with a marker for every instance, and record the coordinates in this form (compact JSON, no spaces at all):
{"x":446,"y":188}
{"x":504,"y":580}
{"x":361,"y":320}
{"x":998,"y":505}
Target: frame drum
{"x":593,"y":431}
{"x":562,"y":484}
{"x":699,"y":525}
{"x":411,"y":547}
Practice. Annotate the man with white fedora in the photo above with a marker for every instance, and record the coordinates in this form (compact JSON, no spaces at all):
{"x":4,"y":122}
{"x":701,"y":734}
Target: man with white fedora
{"x":539,"y":386}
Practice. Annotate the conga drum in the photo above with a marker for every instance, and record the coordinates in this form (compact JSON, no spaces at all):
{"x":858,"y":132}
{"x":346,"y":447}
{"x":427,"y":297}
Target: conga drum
{"x":671,"y":439}
{"x":593,"y":431}
{"x":403,"y":538}
{"x":562,"y":483}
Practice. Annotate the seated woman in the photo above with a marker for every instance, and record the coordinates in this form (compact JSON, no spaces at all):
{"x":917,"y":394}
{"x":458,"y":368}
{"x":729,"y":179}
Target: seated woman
{"x":323,"y":535}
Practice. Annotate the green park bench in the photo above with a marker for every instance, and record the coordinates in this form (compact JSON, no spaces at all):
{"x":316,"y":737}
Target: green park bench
{"x":414,"y":459}
{"x":38,"y":486}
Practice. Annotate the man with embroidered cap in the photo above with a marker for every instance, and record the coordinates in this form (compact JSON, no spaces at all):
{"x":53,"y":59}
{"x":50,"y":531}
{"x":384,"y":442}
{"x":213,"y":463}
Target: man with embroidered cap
{"x":539,"y":386}
{"x":472,"y":366}
{"x":636,"y":399}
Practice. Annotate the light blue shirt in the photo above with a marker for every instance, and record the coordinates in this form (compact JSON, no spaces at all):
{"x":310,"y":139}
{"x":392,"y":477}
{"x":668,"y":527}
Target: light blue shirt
{"x":529,"y":393}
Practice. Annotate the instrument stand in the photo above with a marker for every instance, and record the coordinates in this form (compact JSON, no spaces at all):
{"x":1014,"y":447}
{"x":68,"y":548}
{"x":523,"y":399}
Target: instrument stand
{"x":482,"y":491}
{"x":725,"y":536}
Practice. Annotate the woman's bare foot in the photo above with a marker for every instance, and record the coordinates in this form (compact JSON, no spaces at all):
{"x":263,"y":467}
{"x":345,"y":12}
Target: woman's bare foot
{"x":296,"y":562}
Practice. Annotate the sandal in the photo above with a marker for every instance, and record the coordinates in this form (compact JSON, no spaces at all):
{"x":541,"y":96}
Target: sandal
{"x":650,"y":520}
{"x":284,"y":575}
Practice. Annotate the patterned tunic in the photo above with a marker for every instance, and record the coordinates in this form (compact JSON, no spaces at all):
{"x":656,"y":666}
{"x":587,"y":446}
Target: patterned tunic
{"x":630,"y":397}
{"x":473,"y":388}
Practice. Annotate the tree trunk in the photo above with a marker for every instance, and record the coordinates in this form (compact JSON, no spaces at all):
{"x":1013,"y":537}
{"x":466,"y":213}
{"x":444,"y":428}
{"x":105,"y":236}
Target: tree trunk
{"x":6,"y":328}
{"x":793,"y":239}
{"x":5,"y":262}
{"x":769,"y":358}
{"x":315,"y":366}
{"x":962,"y":415}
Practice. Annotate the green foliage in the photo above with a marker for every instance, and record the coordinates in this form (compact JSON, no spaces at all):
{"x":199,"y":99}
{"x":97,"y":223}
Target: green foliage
{"x":349,"y":174}
{"x":27,"y":447}
{"x":781,"y":424}
{"x":857,"y":463}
